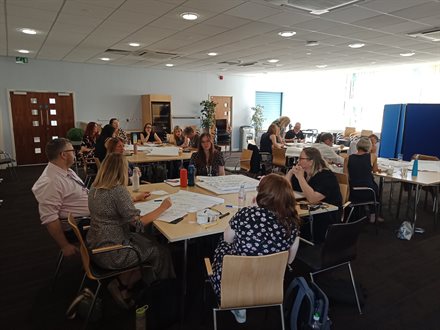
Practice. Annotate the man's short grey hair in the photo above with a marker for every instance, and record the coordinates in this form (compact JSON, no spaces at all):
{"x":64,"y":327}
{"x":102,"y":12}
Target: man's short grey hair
{"x":55,"y":147}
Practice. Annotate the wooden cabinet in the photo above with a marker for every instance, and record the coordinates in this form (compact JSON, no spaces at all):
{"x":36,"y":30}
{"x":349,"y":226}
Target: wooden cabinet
{"x":156,"y":109}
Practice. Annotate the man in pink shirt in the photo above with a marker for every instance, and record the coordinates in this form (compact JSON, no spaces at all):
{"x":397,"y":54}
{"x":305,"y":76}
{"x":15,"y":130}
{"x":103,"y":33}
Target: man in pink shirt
{"x":59,"y":191}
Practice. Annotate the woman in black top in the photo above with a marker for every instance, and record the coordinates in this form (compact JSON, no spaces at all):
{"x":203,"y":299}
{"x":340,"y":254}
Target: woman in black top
{"x":360,"y":167}
{"x":107,"y":132}
{"x":149,"y":136}
{"x":89,"y":140}
{"x":269,"y":139}
{"x":207,"y":159}
{"x":313,"y":177}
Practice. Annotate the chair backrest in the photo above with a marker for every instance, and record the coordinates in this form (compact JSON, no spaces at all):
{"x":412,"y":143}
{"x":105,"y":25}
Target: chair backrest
{"x":341,"y":242}
{"x":171,"y":139}
{"x":343,"y":186}
{"x":253,"y":280}
{"x":245,"y":160}
{"x":349,"y":130}
{"x":279,"y":157}
{"x":85,"y":256}
{"x":424,"y":157}
{"x":366,"y":132}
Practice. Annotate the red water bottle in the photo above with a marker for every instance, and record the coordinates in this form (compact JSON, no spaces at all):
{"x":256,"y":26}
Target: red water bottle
{"x":183,"y":177}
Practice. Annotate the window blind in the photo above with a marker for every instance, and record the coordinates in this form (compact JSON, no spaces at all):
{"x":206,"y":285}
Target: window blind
{"x":272,"y":103}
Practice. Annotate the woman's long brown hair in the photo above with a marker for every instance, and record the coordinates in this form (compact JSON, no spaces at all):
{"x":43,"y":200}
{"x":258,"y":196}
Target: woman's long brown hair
{"x":275,"y":193}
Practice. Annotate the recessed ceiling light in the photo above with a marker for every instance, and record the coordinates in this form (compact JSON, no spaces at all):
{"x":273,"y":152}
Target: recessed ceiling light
{"x":28,"y":31}
{"x":212,"y":54}
{"x":273,"y":60}
{"x":134,"y":44}
{"x":169,"y":65}
{"x":312,"y":43}
{"x":308,"y":53}
{"x":321,"y":66}
{"x":286,"y":34}
{"x":23,"y":51}
{"x":189,"y":16}
{"x":356,"y":45}
{"x":406,"y":54}
{"x":105,"y":59}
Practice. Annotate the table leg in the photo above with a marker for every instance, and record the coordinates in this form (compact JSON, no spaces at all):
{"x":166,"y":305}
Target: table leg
{"x":380,"y":194}
{"x":184,"y":284}
{"x":416,"y":202}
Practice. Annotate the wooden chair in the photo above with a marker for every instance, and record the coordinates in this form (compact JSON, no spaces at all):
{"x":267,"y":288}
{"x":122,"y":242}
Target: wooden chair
{"x":345,"y":191}
{"x":366,"y":132}
{"x":244,"y":163}
{"x":279,"y":159}
{"x":349,"y":130}
{"x":251,"y":282}
{"x":94,"y":272}
{"x":338,"y":249}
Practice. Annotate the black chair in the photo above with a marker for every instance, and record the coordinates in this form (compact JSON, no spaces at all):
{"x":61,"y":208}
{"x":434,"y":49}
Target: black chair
{"x":371,"y":200}
{"x":338,"y":249}
{"x":260,"y":161}
{"x":6,"y":159}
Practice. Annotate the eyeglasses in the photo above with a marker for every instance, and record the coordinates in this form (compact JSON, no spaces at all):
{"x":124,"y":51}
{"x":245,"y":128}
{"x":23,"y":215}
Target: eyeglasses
{"x":148,"y":127}
{"x":68,"y":150}
{"x":206,"y":141}
{"x":300,"y":158}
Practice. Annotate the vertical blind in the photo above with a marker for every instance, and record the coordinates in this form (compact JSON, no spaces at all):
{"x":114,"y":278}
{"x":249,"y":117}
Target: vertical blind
{"x":272,"y":103}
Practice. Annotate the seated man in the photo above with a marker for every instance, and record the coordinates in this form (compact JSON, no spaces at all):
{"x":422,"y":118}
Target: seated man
{"x":295,"y":134}
{"x":59,"y":191}
{"x":325,"y":148}
{"x":193,"y":137}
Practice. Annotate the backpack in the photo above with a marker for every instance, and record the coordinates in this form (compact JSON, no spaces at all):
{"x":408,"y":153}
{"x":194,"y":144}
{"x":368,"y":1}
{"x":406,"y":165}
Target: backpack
{"x":81,"y":306}
{"x":154,"y":173}
{"x":301,"y":302}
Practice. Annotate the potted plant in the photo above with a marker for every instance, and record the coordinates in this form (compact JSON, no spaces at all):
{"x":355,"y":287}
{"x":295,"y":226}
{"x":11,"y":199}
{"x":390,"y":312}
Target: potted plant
{"x":208,"y":114}
{"x":257,"y":118}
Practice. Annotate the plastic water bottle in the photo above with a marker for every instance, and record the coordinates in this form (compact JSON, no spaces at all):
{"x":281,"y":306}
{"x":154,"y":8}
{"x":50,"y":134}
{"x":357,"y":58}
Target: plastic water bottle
{"x":140,"y":317}
{"x":135,"y":149}
{"x":191,"y":175}
{"x":136,"y":178}
{"x":316,"y":324}
{"x":241,"y":197}
{"x":415,"y":168}
{"x":135,"y":138}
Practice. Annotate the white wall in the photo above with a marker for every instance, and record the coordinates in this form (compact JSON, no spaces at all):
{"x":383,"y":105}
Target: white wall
{"x":105,"y":91}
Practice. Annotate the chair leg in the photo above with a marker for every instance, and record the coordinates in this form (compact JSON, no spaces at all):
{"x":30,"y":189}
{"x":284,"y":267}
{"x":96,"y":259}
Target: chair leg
{"x":283,"y":327}
{"x":57,"y":269}
{"x":400,"y":200}
{"x":86,"y":322}
{"x":354,"y":288}
{"x":82,"y":284}
{"x":214,"y":311}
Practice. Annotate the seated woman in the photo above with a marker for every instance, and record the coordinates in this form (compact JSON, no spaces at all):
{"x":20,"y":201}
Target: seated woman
{"x":207,"y":159}
{"x":148,"y":135}
{"x":360,"y":167}
{"x":177,"y":137}
{"x":89,"y":140}
{"x":313,"y":177}
{"x":100,"y":149}
{"x":374,"y":143}
{"x":270,"y":139}
{"x":270,"y":227}
{"x":112,"y":215}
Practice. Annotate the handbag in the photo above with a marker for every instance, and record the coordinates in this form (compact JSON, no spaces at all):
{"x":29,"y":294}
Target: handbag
{"x":81,"y":306}
{"x":406,"y":231}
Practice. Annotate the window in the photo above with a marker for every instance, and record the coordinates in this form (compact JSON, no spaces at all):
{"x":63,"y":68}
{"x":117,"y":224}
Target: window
{"x":272,"y":103}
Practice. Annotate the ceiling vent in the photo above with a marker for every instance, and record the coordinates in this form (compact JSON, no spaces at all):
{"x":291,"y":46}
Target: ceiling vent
{"x":431,"y":35}
{"x":239,"y":63}
{"x":316,"y":7}
{"x":145,"y":54}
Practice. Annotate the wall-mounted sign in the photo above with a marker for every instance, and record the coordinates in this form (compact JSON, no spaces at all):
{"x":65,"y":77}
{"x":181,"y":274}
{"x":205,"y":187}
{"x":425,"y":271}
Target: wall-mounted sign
{"x":21,"y":60}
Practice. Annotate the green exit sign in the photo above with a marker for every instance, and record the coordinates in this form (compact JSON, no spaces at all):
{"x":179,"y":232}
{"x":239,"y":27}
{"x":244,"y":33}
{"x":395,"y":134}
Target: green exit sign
{"x":21,"y":60}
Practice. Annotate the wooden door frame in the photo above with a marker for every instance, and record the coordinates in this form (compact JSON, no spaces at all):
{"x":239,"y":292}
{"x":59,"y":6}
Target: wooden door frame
{"x":11,"y":125}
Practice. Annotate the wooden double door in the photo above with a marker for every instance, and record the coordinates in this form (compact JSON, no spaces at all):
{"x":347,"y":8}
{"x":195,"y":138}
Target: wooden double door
{"x":38,"y":118}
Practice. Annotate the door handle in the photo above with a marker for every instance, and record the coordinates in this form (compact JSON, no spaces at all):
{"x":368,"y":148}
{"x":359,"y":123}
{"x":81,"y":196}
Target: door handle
{"x":41,"y":117}
{"x":47,"y":118}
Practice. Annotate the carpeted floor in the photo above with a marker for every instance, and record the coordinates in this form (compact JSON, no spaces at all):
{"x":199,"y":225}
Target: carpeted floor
{"x":400,"y":279}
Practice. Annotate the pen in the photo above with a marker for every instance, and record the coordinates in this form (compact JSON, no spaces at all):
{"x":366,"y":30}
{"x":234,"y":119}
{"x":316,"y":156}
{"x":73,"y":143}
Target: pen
{"x":158,"y":200}
{"x":177,"y":220}
{"x":229,"y":205}
{"x":223,"y":215}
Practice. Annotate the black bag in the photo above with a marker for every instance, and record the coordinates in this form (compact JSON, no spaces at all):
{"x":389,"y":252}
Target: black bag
{"x":154,"y":173}
{"x":301,"y":302}
{"x":81,"y":306}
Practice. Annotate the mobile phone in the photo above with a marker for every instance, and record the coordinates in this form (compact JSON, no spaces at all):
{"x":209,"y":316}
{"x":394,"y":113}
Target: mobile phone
{"x":303,"y":206}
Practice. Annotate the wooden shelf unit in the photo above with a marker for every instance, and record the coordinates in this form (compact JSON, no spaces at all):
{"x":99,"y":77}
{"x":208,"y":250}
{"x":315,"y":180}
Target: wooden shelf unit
{"x":156,"y":109}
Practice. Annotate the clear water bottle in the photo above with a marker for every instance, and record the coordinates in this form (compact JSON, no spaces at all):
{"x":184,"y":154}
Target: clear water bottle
{"x":316,"y":324}
{"x":140,"y":317}
{"x":135,"y":138}
{"x":136,"y":178}
{"x":242,"y":197}
{"x":191,"y":175}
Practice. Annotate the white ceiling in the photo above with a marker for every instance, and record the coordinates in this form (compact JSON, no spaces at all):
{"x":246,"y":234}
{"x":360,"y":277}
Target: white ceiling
{"x":242,"y":32}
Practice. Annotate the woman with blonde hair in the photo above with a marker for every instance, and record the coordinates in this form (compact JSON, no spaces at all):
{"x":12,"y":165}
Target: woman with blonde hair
{"x":314,"y":178}
{"x":112,"y":215}
{"x":269,"y":227}
{"x":177,"y":137}
{"x":282,"y":123}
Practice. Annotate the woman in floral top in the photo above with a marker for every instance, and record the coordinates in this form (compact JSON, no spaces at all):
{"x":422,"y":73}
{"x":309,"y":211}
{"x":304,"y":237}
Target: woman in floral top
{"x":89,"y":140}
{"x":270,"y":227}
